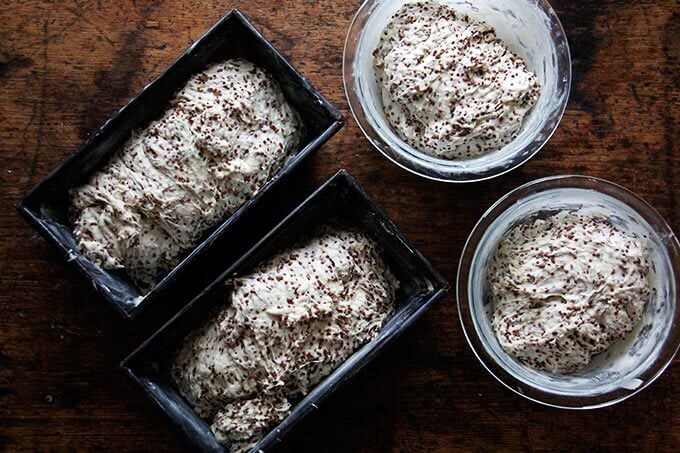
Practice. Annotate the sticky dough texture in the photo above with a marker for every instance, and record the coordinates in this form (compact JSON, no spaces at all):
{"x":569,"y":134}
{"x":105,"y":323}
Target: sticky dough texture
{"x":226,"y":132}
{"x":567,"y":287}
{"x":450,"y":88}
{"x":288,"y":324}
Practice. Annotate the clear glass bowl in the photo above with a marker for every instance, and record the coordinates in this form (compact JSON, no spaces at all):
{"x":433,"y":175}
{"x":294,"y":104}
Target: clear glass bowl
{"x":627,"y":366}
{"x":530,"y":28}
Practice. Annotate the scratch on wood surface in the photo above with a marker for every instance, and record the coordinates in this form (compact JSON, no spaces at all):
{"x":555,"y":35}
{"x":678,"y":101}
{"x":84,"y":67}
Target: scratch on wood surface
{"x":40,"y":106}
{"x":80,"y":17}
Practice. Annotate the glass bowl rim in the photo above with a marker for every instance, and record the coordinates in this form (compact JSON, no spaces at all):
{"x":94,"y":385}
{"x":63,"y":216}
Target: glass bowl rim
{"x":412,"y":158}
{"x":526,"y":388}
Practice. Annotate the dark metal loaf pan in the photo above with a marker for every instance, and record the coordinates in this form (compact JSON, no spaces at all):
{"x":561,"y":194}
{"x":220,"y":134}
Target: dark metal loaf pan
{"x":340,"y":199}
{"x":46,"y":206}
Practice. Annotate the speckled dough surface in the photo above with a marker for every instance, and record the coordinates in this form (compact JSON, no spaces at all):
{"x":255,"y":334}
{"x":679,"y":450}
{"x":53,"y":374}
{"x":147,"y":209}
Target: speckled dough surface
{"x":565,"y":288}
{"x":450,"y":88}
{"x":288,"y":324}
{"x":226,"y":132}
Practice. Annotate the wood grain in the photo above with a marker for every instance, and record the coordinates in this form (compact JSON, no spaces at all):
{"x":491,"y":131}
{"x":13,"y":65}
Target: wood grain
{"x":66,"y":66}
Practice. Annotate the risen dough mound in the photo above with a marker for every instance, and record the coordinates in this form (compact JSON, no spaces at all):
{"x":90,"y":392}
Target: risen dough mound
{"x":223,"y":136}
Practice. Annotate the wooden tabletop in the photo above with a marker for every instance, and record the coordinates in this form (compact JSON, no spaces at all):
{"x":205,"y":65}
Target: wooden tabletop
{"x":66,"y":66}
